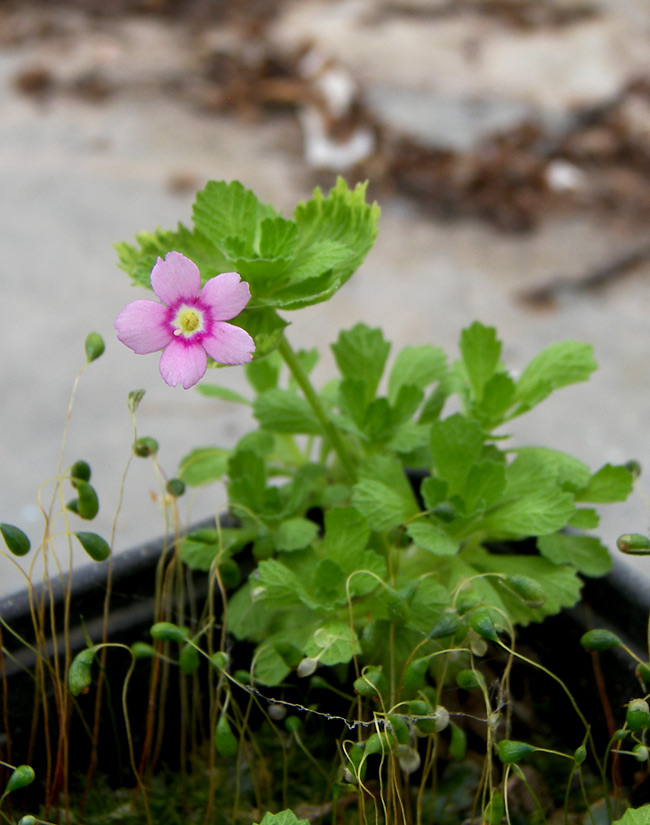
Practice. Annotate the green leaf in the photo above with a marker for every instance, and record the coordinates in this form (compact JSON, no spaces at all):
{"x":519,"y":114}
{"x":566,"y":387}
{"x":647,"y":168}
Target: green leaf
{"x":584,"y":518}
{"x":607,"y":485}
{"x":456,"y":444}
{"x":484,"y":486}
{"x":295,"y":534}
{"x":328,"y":582}
{"x":95,"y":546}
{"x":282,"y":587}
{"x":383,"y":495}
{"x":138,"y":262}
{"x":428,"y":603}
{"x":560,"y":583}
{"x":247,"y":472}
{"x":335,"y":234}
{"x":498,"y":396}
{"x":265,"y":327}
{"x":204,"y":465}
{"x":222,"y":393}
{"x":361,"y":354}
{"x":346,"y":538}
{"x":419,"y":366}
{"x":480,"y":349}
{"x":223,"y":210}
{"x":263,"y":374}
{"x":585,"y":553}
{"x":278,"y":238}
{"x":16,"y":540}
{"x":199,"y":548}
{"x":432,"y":538}
{"x":282,"y":411}
{"x":533,"y":514}
{"x":635,"y":816}
{"x":536,"y":467}
{"x":559,"y":365}
{"x":334,"y":642}
{"x":283,"y":818}
{"x":346,"y":533}
{"x":269,"y":668}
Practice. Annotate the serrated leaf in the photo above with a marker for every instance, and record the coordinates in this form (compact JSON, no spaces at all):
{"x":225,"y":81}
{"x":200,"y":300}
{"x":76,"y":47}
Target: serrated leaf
{"x":419,"y":366}
{"x":430,"y":537}
{"x":559,"y":365}
{"x":334,"y":235}
{"x":480,"y":349}
{"x":534,"y":514}
{"x":295,"y":534}
{"x":383,"y":495}
{"x":361,"y":355}
{"x":585,"y":553}
{"x":138,"y":261}
{"x":541,"y":466}
{"x":204,"y":465}
{"x":222,"y":210}
{"x":282,"y":587}
{"x":278,"y":238}
{"x":609,"y":484}
{"x":635,"y":816}
{"x":456,"y":444}
{"x":282,"y":411}
{"x":283,"y":818}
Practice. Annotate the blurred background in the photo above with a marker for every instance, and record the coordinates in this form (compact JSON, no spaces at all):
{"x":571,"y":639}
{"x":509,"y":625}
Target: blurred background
{"x":507,"y":142}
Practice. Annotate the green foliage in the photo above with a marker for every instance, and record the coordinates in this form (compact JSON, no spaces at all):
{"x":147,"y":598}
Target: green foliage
{"x":326,"y":591}
{"x":283,"y":818}
{"x":288,"y":263}
{"x":635,"y":816}
{"x":385,"y":520}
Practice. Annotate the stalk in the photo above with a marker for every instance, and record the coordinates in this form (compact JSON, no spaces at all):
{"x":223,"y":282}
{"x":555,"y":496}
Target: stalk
{"x":331,"y":432}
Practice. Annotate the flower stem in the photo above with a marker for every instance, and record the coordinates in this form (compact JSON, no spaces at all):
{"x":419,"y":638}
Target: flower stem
{"x":302,"y":379}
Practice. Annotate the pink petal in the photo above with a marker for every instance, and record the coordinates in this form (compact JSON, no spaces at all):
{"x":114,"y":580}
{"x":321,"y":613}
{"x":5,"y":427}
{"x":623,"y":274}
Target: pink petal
{"x":183,"y":363}
{"x":143,"y":326}
{"x":226,"y":295}
{"x":229,"y":344}
{"x":175,"y":279}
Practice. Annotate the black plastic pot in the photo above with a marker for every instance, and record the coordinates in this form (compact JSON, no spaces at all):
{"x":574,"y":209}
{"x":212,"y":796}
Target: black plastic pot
{"x":619,"y":602}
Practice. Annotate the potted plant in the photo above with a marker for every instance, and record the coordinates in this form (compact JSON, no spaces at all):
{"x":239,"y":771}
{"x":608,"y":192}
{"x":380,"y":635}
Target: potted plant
{"x":347,"y":637}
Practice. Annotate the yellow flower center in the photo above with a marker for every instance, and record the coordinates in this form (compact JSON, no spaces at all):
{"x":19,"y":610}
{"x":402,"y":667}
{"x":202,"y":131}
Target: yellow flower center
{"x":187,"y":321}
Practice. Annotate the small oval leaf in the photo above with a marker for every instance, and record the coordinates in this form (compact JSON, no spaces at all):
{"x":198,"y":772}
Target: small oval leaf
{"x":96,"y":547}
{"x":17,"y":541}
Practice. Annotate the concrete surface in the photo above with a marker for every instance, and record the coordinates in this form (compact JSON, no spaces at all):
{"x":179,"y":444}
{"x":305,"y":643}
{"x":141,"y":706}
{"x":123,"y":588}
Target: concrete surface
{"x":76,"y":177}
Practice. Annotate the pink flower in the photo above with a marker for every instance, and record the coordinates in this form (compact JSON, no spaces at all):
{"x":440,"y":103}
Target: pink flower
{"x":190,"y":322}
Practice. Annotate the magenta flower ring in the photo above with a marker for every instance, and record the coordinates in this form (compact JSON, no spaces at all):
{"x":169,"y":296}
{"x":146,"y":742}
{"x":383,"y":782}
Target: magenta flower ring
{"x":190,"y":323}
